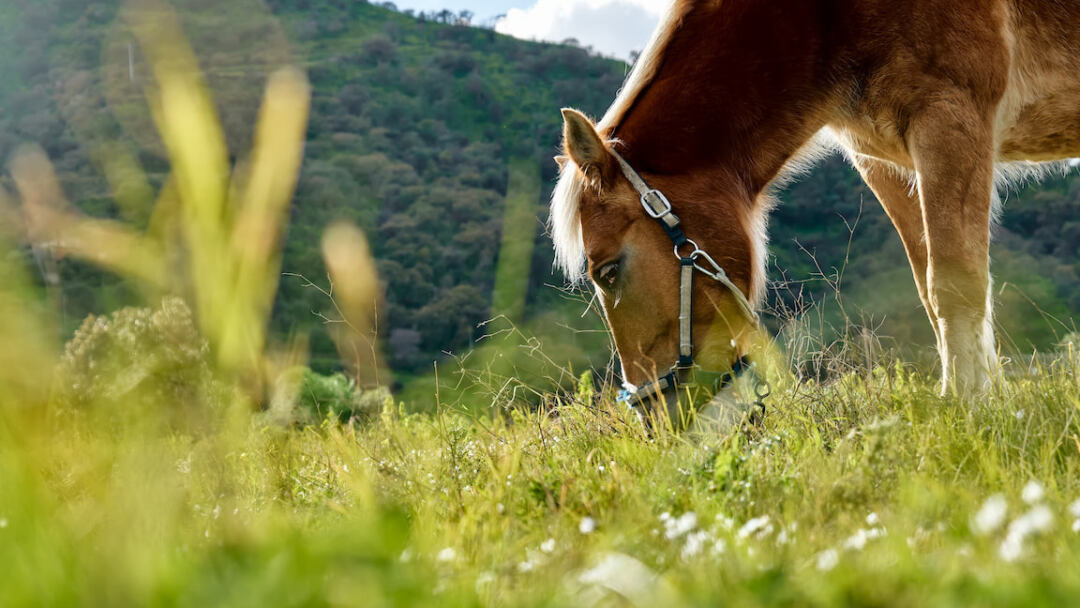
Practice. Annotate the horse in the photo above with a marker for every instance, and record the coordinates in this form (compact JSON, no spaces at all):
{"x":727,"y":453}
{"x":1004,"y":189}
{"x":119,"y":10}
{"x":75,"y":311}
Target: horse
{"x":932,"y":101}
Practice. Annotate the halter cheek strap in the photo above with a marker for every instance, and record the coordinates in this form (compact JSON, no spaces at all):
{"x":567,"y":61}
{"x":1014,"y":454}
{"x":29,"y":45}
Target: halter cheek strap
{"x":684,"y":372}
{"x":658,"y":207}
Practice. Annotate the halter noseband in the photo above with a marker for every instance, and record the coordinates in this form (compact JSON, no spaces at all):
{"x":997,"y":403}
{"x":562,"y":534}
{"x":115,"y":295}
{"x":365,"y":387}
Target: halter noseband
{"x":684,"y":372}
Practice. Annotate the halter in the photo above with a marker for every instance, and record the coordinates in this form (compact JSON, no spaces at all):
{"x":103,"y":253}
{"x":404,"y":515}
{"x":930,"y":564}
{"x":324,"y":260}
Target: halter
{"x":684,"y":373}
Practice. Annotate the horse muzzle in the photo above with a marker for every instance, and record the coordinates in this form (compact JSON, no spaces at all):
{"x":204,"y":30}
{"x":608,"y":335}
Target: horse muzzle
{"x":675,"y":399}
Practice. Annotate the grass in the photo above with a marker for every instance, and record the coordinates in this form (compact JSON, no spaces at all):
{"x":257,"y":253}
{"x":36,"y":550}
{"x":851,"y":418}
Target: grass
{"x":161,"y":459}
{"x":864,"y":491}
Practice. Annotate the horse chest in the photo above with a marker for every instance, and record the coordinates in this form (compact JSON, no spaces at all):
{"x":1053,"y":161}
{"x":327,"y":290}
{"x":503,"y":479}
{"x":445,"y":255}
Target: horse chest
{"x":880,"y":139}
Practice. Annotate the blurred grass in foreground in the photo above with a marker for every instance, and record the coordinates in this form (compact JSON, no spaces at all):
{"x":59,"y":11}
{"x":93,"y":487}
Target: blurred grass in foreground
{"x":133,"y":470}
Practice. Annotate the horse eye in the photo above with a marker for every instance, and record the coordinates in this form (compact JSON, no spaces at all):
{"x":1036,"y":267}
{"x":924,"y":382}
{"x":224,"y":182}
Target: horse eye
{"x":607,"y":274}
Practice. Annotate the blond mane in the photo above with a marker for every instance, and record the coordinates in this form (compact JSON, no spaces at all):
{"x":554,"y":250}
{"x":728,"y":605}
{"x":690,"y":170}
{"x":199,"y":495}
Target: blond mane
{"x":565,"y":219}
{"x":565,"y":223}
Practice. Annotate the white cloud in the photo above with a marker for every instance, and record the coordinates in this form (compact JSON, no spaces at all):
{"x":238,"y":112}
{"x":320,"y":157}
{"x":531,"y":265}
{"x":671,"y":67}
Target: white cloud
{"x":612,"y":27}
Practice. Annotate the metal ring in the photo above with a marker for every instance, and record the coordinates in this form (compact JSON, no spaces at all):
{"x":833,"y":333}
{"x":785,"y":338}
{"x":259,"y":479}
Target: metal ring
{"x":693,"y":254}
{"x":762,"y":389}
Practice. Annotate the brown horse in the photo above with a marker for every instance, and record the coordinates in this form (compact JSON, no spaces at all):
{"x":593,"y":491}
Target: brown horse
{"x":929,"y":99}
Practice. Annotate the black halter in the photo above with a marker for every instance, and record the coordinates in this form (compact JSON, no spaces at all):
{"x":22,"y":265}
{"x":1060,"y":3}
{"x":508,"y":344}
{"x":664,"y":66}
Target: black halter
{"x":684,"y":372}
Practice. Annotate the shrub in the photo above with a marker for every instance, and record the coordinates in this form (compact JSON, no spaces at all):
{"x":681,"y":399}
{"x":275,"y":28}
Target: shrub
{"x":337,"y":397}
{"x":137,"y":356}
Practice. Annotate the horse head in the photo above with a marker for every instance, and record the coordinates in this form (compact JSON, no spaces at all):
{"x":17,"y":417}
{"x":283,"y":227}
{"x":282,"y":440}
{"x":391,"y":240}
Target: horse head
{"x":603,"y":231}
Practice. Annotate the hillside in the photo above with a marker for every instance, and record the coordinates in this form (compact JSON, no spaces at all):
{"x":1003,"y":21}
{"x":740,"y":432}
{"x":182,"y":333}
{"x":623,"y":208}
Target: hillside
{"x":422,"y":133}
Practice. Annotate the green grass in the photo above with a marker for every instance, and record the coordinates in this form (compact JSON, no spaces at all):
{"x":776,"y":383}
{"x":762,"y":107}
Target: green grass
{"x":870,"y":486}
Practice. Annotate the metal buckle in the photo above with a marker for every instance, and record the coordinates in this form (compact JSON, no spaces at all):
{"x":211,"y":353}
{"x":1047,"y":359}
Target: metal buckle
{"x":655,"y":195}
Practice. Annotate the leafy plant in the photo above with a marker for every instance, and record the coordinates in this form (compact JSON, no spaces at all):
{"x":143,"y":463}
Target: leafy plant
{"x":336,"y":397}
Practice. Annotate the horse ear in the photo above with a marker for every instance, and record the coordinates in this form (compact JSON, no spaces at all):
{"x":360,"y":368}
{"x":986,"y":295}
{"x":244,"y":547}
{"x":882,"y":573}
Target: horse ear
{"x":561,"y":161}
{"x":583,"y":144}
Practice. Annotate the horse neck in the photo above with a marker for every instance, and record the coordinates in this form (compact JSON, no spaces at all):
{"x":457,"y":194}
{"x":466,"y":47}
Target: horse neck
{"x":741,"y":87}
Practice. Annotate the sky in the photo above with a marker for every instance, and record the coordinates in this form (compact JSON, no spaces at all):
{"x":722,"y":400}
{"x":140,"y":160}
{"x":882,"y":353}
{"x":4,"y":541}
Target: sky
{"x":612,"y":27}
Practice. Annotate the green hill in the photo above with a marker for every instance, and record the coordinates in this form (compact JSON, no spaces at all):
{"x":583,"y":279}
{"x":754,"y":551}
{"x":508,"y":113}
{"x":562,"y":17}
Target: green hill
{"x":415,"y":128}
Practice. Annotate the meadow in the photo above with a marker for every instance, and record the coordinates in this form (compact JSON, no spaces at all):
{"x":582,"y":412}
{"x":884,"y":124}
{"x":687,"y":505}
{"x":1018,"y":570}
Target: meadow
{"x":867,"y":490}
{"x":178,"y":453}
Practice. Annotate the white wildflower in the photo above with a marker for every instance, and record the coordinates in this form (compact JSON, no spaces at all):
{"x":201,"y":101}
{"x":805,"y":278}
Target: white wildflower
{"x":1038,"y":519}
{"x":758,"y":526}
{"x":856,"y":541}
{"x":681,"y":525}
{"x":1020,"y":414}
{"x":1076,"y":526}
{"x":725,"y":522}
{"x":624,"y":575}
{"x":406,"y":555}
{"x":500,"y":509}
{"x":990,"y":516}
{"x":719,"y":547}
{"x":526,"y":566}
{"x":1074,"y":508}
{"x":1011,"y":548}
{"x":920,"y":535}
{"x":484,"y":579}
{"x":3,"y":522}
{"x":782,"y":538}
{"x":695,"y":541}
{"x":1033,"y":492}
{"x":446,"y":555}
{"x":872,"y":519}
{"x":548,"y":545}
{"x":587,"y":525}
{"x":827,"y":560}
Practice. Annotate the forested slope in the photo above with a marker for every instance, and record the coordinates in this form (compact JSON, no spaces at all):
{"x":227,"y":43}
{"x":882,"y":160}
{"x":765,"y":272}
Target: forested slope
{"x":414,"y":129}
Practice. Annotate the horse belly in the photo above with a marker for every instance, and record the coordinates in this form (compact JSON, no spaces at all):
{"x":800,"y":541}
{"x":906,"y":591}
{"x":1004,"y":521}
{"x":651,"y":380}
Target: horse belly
{"x":1039,"y":116}
{"x":1044,"y":130}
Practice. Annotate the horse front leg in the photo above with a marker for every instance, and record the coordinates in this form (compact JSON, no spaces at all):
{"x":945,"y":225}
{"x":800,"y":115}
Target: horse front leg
{"x":952,"y":146}
{"x":901,"y":204}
